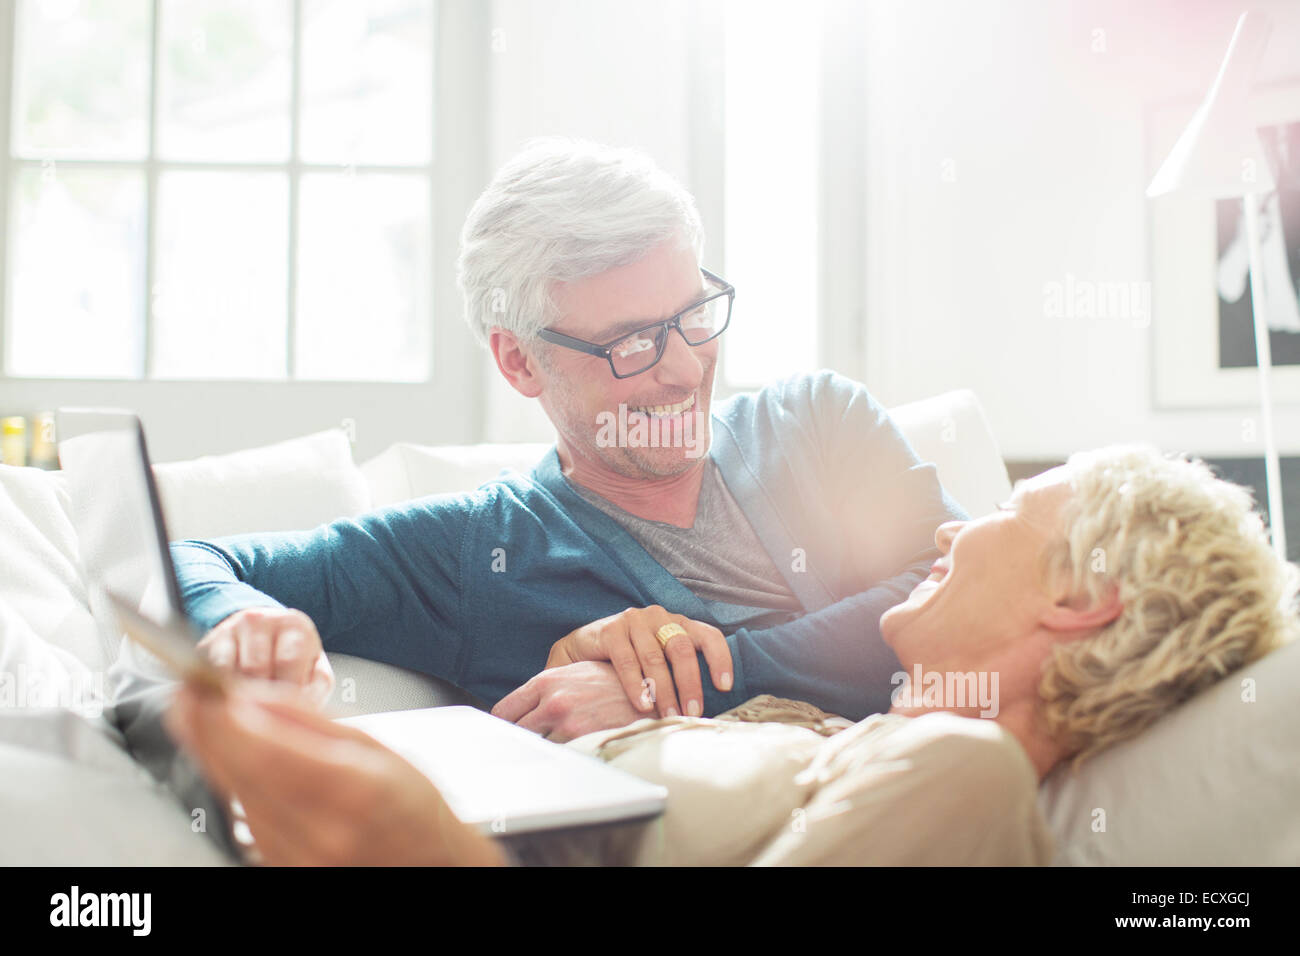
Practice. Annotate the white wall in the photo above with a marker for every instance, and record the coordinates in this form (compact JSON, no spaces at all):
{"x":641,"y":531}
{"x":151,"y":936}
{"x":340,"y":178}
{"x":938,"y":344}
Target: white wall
{"x":1045,"y":143}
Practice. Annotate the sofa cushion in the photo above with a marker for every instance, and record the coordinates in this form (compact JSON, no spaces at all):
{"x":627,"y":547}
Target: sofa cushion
{"x":35,"y":672}
{"x":1214,"y":783}
{"x":70,"y":795}
{"x":45,"y":604}
{"x":951,"y":431}
{"x":405,"y":471}
{"x":364,"y":686}
{"x":42,"y":595}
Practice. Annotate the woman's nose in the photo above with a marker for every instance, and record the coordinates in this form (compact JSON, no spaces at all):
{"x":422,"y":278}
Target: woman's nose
{"x":944,"y":534}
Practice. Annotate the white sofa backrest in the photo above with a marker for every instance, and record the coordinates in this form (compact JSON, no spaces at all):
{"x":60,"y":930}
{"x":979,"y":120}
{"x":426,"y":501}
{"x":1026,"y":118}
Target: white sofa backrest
{"x":290,"y":485}
{"x":1236,"y":757}
{"x":406,"y":470}
{"x":308,"y":480}
{"x":949,"y":430}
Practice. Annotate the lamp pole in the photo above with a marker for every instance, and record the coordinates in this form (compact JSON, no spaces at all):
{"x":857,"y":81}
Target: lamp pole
{"x":1264,"y":359}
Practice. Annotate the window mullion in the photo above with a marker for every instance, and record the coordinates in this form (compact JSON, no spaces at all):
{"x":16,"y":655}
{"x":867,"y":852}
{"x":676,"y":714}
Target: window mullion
{"x":151,"y":191}
{"x":8,"y":43}
{"x":295,"y":175}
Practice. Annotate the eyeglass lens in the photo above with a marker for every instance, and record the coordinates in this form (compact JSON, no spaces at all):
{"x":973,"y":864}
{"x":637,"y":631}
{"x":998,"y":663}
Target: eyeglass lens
{"x":639,"y":351}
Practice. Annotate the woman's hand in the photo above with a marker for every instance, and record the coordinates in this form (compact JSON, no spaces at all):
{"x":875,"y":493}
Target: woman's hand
{"x":627,"y":640}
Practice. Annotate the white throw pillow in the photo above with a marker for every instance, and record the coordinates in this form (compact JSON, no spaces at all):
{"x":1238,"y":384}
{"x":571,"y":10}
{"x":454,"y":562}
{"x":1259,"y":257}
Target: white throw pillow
{"x":1215,"y":783}
{"x":288,"y":486}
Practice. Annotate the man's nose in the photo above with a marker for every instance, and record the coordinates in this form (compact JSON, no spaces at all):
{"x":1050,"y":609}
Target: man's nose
{"x":944,"y":534}
{"x":680,"y":364}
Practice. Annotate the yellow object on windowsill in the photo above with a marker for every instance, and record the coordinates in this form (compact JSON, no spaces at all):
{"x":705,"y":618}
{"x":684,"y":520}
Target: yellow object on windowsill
{"x":45,"y":450}
{"x":13,"y":440}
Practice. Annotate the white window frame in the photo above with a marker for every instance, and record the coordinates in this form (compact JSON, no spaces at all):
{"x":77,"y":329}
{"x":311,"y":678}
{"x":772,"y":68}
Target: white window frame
{"x":186,"y":418}
{"x":843,"y":279}
{"x":844,"y":318}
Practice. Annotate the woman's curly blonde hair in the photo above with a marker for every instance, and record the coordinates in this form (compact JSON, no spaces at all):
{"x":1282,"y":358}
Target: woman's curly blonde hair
{"x":1203,"y":593}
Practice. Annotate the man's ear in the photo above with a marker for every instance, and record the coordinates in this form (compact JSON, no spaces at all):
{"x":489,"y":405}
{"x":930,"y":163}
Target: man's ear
{"x":516,"y":363}
{"x":1074,"y":613}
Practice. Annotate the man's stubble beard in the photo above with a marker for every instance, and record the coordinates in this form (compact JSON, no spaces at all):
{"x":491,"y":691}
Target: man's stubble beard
{"x":638,"y":462}
{"x":654,"y":461}
{"x":649,"y":462}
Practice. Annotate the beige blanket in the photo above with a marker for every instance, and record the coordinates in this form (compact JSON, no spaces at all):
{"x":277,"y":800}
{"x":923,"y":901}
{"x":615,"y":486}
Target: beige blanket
{"x":779,"y":782}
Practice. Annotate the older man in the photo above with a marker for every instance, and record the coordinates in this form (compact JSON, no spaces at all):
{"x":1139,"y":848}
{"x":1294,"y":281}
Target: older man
{"x":1103,"y":595}
{"x":767,"y":533}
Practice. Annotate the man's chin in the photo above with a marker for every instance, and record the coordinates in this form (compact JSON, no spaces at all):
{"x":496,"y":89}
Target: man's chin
{"x":674,"y":457}
{"x":663,"y":462}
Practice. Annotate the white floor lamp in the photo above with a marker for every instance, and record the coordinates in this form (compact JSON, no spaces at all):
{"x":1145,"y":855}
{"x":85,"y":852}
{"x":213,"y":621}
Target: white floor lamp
{"x":1220,"y":156}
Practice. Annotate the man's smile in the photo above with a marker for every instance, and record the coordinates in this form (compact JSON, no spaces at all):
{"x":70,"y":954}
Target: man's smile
{"x":665,"y":411}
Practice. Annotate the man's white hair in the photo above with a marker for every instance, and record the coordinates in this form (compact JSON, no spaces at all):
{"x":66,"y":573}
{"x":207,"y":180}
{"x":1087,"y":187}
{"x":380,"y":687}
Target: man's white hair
{"x":561,"y":210}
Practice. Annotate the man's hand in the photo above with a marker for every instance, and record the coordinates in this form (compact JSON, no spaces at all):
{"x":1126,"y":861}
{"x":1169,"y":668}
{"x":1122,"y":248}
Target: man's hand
{"x":627,"y":640}
{"x":314,"y":792}
{"x":272,"y":643}
{"x":566,"y":702}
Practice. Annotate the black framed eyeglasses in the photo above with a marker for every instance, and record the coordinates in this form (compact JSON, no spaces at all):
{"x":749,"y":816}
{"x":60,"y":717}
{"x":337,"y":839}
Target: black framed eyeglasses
{"x":639,"y":351}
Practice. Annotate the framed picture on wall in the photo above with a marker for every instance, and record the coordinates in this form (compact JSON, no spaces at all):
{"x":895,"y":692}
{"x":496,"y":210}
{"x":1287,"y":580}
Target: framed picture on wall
{"x":1203,"y":336}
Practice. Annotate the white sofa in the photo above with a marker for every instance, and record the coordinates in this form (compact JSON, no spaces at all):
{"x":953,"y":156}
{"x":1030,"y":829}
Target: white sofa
{"x":1217,"y":782}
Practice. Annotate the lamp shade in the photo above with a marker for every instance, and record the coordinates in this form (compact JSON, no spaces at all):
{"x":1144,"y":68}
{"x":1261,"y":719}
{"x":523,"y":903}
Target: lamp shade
{"x":1219,"y":155}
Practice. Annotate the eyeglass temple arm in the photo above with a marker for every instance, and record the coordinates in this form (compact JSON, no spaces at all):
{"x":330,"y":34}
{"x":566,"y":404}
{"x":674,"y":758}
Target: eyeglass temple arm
{"x":559,"y":338}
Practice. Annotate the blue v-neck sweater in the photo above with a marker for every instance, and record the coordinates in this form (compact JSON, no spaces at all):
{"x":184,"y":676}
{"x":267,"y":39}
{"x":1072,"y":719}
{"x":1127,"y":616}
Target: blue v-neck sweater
{"x":475,"y":587}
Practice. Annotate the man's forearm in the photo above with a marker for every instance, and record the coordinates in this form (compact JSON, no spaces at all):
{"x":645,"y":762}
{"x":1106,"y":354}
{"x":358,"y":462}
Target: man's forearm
{"x":210,"y":588}
{"x":834,"y":657}
{"x":384,"y":585}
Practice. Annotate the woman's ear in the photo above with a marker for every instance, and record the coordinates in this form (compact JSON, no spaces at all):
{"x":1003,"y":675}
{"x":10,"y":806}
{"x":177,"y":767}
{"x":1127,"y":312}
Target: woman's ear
{"x":1082,"y":613}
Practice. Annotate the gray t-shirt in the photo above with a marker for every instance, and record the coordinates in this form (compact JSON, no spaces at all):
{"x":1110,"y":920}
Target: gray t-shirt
{"x":719,"y":557}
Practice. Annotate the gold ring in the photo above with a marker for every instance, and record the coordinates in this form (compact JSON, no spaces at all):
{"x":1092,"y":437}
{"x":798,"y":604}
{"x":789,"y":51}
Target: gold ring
{"x":668,"y":632}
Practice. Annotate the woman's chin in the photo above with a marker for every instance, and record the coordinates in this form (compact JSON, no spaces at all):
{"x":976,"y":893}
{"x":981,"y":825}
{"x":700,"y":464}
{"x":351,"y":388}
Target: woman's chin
{"x":898,"y":617}
{"x":892,"y":621}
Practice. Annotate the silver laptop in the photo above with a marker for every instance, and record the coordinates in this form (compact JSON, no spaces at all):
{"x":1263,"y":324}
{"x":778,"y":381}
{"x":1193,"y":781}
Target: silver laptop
{"x":494,"y":775}
{"x":504,"y":779}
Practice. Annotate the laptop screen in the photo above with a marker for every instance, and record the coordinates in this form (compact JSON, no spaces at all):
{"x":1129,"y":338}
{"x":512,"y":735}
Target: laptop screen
{"x":116,"y":510}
